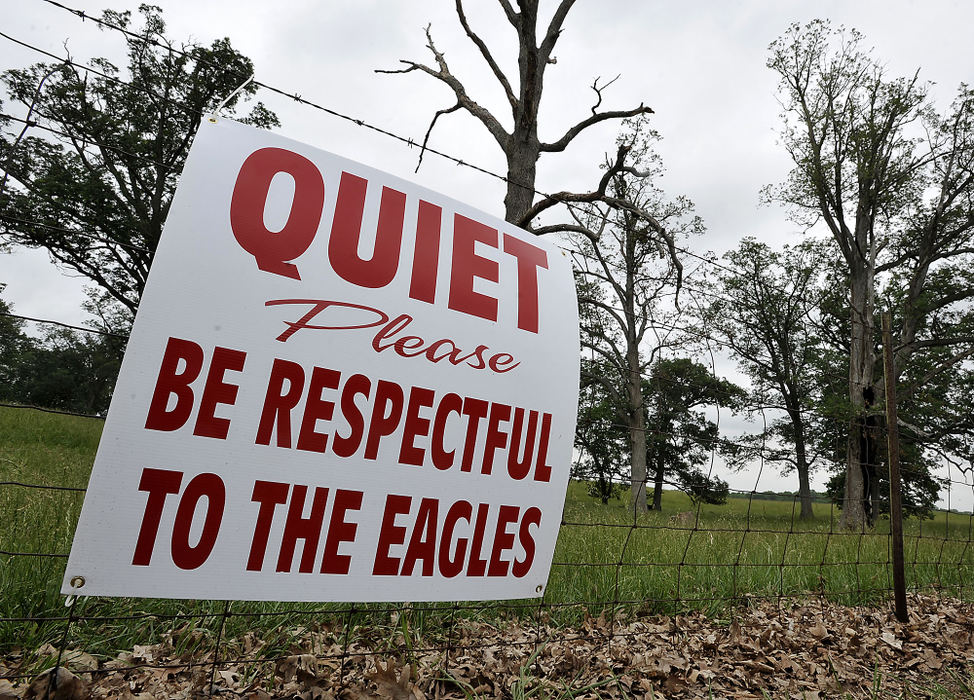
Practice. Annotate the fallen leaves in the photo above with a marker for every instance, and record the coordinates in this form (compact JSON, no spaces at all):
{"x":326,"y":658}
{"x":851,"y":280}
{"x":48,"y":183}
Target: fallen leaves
{"x":811,"y":649}
{"x":890,"y":638}
{"x":818,"y":631}
{"x":395,"y":683}
{"x":60,"y":685}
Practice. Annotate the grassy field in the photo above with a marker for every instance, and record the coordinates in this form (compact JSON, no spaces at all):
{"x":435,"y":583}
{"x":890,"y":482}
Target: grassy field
{"x":720,"y":557}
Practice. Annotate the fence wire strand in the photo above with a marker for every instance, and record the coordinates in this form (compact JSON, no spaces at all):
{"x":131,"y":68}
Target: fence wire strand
{"x":643,"y":575}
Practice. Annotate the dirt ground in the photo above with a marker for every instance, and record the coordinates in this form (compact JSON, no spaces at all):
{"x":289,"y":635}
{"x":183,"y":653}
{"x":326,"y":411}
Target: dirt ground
{"x":802,"y":650}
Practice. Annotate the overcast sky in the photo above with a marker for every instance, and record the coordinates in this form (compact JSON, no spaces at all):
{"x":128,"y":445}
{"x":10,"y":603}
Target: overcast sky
{"x":700,"y":66}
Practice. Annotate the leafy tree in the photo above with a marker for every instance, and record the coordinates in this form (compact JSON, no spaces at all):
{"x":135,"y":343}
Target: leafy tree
{"x":601,"y":440}
{"x":67,"y":370}
{"x":891,"y":180}
{"x":828,"y":412}
{"x":762,"y":307}
{"x":680,"y":438}
{"x":11,"y":347}
{"x":625,"y":291}
{"x":95,"y":189}
{"x":922,"y":389}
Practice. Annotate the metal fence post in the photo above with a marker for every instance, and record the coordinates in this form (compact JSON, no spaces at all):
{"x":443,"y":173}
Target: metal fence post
{"x":893,"y":450}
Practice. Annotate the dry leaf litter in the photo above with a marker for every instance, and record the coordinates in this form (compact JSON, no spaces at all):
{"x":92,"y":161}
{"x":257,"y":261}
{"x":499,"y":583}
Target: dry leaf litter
{"x":810,"y":650}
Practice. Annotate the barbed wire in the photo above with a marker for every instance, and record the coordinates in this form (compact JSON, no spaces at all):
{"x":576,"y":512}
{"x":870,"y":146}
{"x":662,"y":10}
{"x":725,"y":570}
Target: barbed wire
{"x":61,"y":324}
{"x":708,"y":260}
{"x":714,"y":445}
{"x":43,"y":487}
{"x":88,"y":143}
{"x":409,"y":141}
{"x":686,"y":592}
{"x":43,"y":409}
{"x":718,"y":442}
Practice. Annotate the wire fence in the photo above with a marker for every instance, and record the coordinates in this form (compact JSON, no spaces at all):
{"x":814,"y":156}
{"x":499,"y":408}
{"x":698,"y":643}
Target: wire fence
{"x":623,"y":585}
{"x":612,"y":572}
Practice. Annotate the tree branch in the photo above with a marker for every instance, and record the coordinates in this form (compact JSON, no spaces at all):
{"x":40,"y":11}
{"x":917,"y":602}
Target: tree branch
{"x":426,"y":138}
{"x":598,"y":194}
{"x":597,"y":117}
{"x":554,"y":30}
{"x":463,"y":99}
{"x":513,"y":17}
{"x":950,"y":362}
{"x":485,"y":52}
{"x":613,"y":358}
{"x":559,"y":228}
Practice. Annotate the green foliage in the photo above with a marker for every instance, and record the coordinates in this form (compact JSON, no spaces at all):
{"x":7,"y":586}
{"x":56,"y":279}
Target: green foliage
{"x":762,"y":306}
{"x":600,"y":437}
{"x":67,"y":370}
{"x":919,"y":491}
{"x":95,"y":191}
{"x":10,"y":346}
{"x":932,"y":392}
{"x":680,"y":439}
{"x":888,"y":175}
{"x":63,"y":369}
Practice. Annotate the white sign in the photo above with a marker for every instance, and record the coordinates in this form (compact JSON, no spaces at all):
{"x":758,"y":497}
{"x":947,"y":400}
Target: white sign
{"x":340,"y":387}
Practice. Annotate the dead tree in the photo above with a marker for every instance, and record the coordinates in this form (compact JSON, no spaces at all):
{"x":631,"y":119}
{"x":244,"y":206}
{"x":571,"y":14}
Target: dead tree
{"x":521,"y":144}
{"x":522,"y":147}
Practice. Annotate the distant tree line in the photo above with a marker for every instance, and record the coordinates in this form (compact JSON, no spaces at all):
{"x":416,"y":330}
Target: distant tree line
{"x":59,"y":368}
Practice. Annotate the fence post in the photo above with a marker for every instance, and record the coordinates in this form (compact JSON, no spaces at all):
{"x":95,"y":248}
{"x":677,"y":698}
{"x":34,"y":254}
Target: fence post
{"x":893,"y":452}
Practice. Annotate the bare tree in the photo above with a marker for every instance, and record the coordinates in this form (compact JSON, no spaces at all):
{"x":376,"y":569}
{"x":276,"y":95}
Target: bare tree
{"x":627,"y":276}
{"x":521,"y":142}
{"x":613,"y":201}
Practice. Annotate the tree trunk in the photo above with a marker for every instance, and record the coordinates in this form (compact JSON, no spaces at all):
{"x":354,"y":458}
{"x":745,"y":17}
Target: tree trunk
{"x":524,"y":148}
{"x":637,"y":432}
{"x":658,"y":485}
{"x":861,"y":362}
{"x":522,"y":161}
{"x":801,"y":458}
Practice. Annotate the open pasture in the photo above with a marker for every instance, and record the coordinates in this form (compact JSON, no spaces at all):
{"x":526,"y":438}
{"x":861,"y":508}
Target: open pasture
{"x":721,"y":556}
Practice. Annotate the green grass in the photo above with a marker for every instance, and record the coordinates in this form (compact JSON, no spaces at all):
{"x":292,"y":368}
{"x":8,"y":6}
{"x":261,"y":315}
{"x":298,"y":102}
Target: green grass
{"x":730,"y":552}
{"x":746,"y":548}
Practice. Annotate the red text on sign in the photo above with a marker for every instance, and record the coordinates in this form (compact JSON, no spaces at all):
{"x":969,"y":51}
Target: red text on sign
{"x":422,"y":427}
{"x":275,"y":251}
{"x":162,"y":483}
{"x":389,"y":336}
{"x":306,"y":529}
{"x":427,"y":536}
{"x":182,"y":364}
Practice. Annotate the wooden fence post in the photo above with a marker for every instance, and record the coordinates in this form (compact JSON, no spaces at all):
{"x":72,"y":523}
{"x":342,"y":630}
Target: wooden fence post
{"x":893,"y":451}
